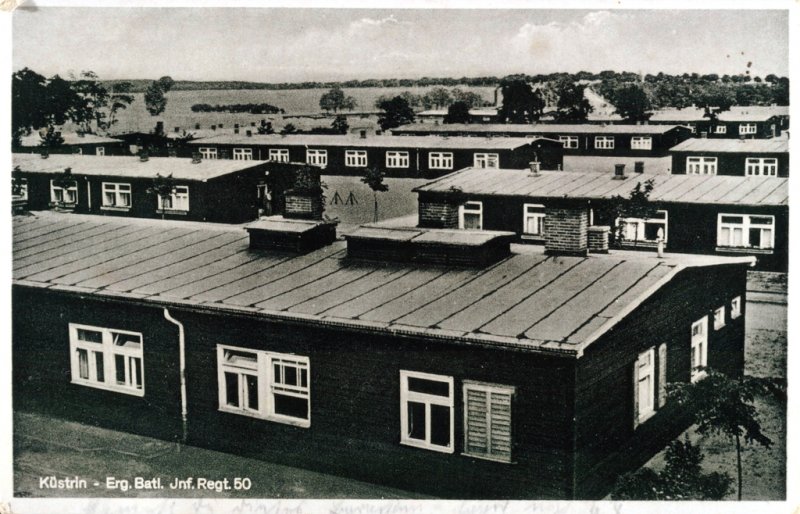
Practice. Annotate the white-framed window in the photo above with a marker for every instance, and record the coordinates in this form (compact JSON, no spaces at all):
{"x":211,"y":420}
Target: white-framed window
{"x":641,"y":143}
{"x":440,"y":160}
{"x":21,"y":186}
{"x":756,"y":166}
{"x":487,"y":421}
{"x":100,"y":150}
{"x":645,"y":369}
{"x":116,"y":195}
{"x":720,"y":129}
{"x":701,"y":165}
{"x":486,"y":160}
{"x":355,"y":158}
{"x":746,"y":231}
{"x":317,"y":157}
{"x":267,"y":385}
{"x":242,"y":154}
{"x":645,"y":230}
{"x":397,"y":159}
{"x":106,"y":358}
{"x":533,"y":219}
{"x":278,"y":154}
{"x":208,"y":152}
{"x":178,"y":200}
{"x":719,"y":318}
{"x":699,"y":348}
{"x":65,"y":193}
{"x":604,"y":142}
{"x":736,"y":307}
{"x":692,"y":127}
{"x":470,"y":216}
{"x":426,"y":411}
{"x":747,"y":128}
{"x":569,"y":141}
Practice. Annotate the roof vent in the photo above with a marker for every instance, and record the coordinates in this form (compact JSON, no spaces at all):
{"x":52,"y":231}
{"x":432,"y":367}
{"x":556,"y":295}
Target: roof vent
{"x":197,"y":126}
{"x":291,"y":235}
{"x":177,"y":129}
{"x":248,"y":132}
{"x":213,"y":127}
{"x":363,"y":134}
{"x":619,"y":171}
{"x":143,"y":157}
{"x":221,"y":125}
{"x":196,"y":158}
{"x":638,"y":167}
{"x":535,"y":167}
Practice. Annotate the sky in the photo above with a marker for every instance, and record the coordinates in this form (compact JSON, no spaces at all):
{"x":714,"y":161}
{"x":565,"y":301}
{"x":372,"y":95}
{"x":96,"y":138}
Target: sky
{"x":287,"y":45}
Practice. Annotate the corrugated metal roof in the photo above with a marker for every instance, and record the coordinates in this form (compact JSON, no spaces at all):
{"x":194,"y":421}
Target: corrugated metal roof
{"x":705,"y":189}
{"x":540,"y":128}
{"x":529,"y":301}
{"x":130,"y":166}
{"x":434,"y":142}
{"x":70,"y":138}
{"x":733,"y":145}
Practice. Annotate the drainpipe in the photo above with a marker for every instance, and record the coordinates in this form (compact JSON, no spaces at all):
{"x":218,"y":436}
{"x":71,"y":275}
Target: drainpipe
{"x":182,"y":360}
{"x":88,"y":193}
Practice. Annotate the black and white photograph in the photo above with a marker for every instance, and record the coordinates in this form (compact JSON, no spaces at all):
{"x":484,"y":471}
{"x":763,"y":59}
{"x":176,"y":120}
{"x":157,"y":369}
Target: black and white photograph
{"x":369,"y":257}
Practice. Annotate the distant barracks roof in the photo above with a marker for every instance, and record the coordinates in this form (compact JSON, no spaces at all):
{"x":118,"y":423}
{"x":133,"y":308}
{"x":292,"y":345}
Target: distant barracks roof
{"x":733,"y":145}
{"x":361,"y":142}
{"x":181,"y":168}
{"x":70,"y":138}
{"x":711,"y":189}
{"x":502,"y":128}
{"x":527,"y":301}
{"x":736,"y":113}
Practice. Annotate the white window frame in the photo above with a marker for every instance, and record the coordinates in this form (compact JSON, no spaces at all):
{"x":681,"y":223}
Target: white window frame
{"x":533,"y":212}
{"x":268,"y":384}
{"x":720,"y":129}
{"x":641,"y":143}
{"x":242,"y":154}
{"x":397,"y":159}
{"x":744,"y":227}
{"x":761,"y":166}
{"x":719,"y":318}
{"x":63,"y":193}
{"x":23,"y":189}
{"x":570,"y":141}
{"x":489,"y":390}
{"x":699,"y":348}
{"x":700,"y":165}
{"x":736,"y":307}
{"x":278,"y":154}
{"x":208,"y":152}
{"x":440,"y":160}
{"x":100,"y":150}
{"x":317,"y":157}
{"x":107,"y":351}
{"x":692,"y":127}
{"x":119,"y":191}
{"x":407,"y":396}
{"x":178,"y":200}
{"x":470,"y":208}
{"x":604,"y":142}
{"x":748,"y":128}
{"x":486,"y":160}
{"x":355,"y":158}
{"x":639,"y":225}
{"x":646,"y":384}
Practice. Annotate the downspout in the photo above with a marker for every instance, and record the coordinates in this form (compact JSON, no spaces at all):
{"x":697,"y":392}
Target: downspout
{"x":88,"y":193}
{"x":182,"y":361}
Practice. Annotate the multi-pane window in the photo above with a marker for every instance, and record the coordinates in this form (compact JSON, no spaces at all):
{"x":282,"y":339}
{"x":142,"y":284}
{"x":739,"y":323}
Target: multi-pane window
{"x":736,"y":307}
{"x":208,"y":152}
{"x":317,"y":157}
{"x":278,"y":154}
{"x":747,"y":128}
{"x":701,"y":165}
{"x":397,"y":159}
{"x":65,"y":192}
{"x":263,"y":384}
{"x":604,"y":142}
{"x":569,"y":141}
{"x":699,"y":348}
{"x":177,"y":200}
{"x":746,"y":231}
{"x":487,"y":160}
{"x":645,"y":385}
{"x":487,"y":421}
{"x":641,"y":143}
{"x":426,"y":411}
{"x":533,"y":219}
{"x":719,"y":318}
{"x":100,"y":150}
{"x":355,"y":158}
{"x":720,"y":129}
{"x":645,"y":230}
{"x":19,"y":188}
{"x":470,"y":216}
{"x":761,"y":166}
{"x":440,"y":160}
{"x":116,"y":195}
{"x":242,"y":154}
{"x":106,"y":358}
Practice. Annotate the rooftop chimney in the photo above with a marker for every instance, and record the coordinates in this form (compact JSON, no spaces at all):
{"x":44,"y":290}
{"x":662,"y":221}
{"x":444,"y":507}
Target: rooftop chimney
{"x":213,"y":127}
{"x":196,"y":158}
{"x":638,"y":167}
{"x":177,"y":129}
{"x":534,"y":166}
{"x":566,"y":230}
{"x":293,"y":235}
{"x":363,"y":134}
{"x":236,"y":130}
{"x":252,"y":123}
{"x":197,"y":126}
{"x":378,"y":132}
{"x":221,"y":125}
{"x":619,"y":171}
{"x":704,"y":135}
{"x":249,"y":133}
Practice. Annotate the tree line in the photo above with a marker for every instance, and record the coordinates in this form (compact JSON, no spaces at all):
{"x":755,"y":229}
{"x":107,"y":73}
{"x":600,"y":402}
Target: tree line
{"x":252,"y":108}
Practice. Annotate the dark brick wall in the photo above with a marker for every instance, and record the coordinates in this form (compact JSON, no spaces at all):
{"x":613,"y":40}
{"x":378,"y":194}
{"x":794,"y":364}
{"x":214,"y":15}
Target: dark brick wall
{"x":598,"y":239}
{"x":565,"y":230}
{"x":438,"y":214}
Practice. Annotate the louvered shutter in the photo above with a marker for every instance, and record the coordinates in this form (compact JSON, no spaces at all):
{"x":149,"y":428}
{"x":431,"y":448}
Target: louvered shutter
{"x":635,"y":394}
{"x":500,"y":435}
{"x":487,"y":421}
{"x":662,"y":375}
{"x":477,"y":421}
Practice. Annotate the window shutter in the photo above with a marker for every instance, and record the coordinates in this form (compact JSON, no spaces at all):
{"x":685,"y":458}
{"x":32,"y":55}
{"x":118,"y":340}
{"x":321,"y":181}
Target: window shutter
{"x":662,"y":374}
{"x":477,"y":421}
{"x":501,"y":425}
{"x":635,"y":389}
{"x":487,"y":422}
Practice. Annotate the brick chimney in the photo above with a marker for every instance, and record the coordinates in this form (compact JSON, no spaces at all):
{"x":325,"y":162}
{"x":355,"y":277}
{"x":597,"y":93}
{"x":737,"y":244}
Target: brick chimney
{"x":535,"y":167}
{"x":363,"y":134}
{"x":177,"y":129}
{"x":566,"y":230}
{"x":619,"y":171}
{"x":248,"y":132}
{"x":598,"y":238}
{"x":638,"y":167}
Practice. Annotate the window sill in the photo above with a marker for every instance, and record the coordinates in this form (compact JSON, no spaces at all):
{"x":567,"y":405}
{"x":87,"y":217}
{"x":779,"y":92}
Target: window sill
{"x":114,"y":208}
{"x":742,"y":249}
{"x":423,"y":445}
{"x":718,"y":327}
{"x":698,"y":376}
{"x":302,"y":423}
{"x":60,"y":205}
{"x":532,"y":238}
{"x":179,"y":212}
{"x":106,"y":387}
{"x":644,"y":417}
{"x":642,"y":244}
{"x":488,"y":457}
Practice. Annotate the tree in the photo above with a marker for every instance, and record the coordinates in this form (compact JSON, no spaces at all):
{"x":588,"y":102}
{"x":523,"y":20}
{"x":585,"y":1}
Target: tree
{"x":636,"y":205}
{"x":373,"y":177}
{"x":572,"y":105}
{"x":436,"y":98}
{"x":155,"y":99}
{"x":100,"y":105}
{"x":340,"y":125}
{"x":521,"y":104}
{"x":289,"y":128}
{"x":51,"y":139}
{"x":335,"y":100}
{"x":457,"y":113}
{"x":632,"y":103}
{"x":470,"y":98}
{"x":396,"y":112}
{"x":37,"y":102}
{"x":724,"y":405}
{"x":163,"y":188}
{"x":715,"y":99}
{"x":265,"y":128}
